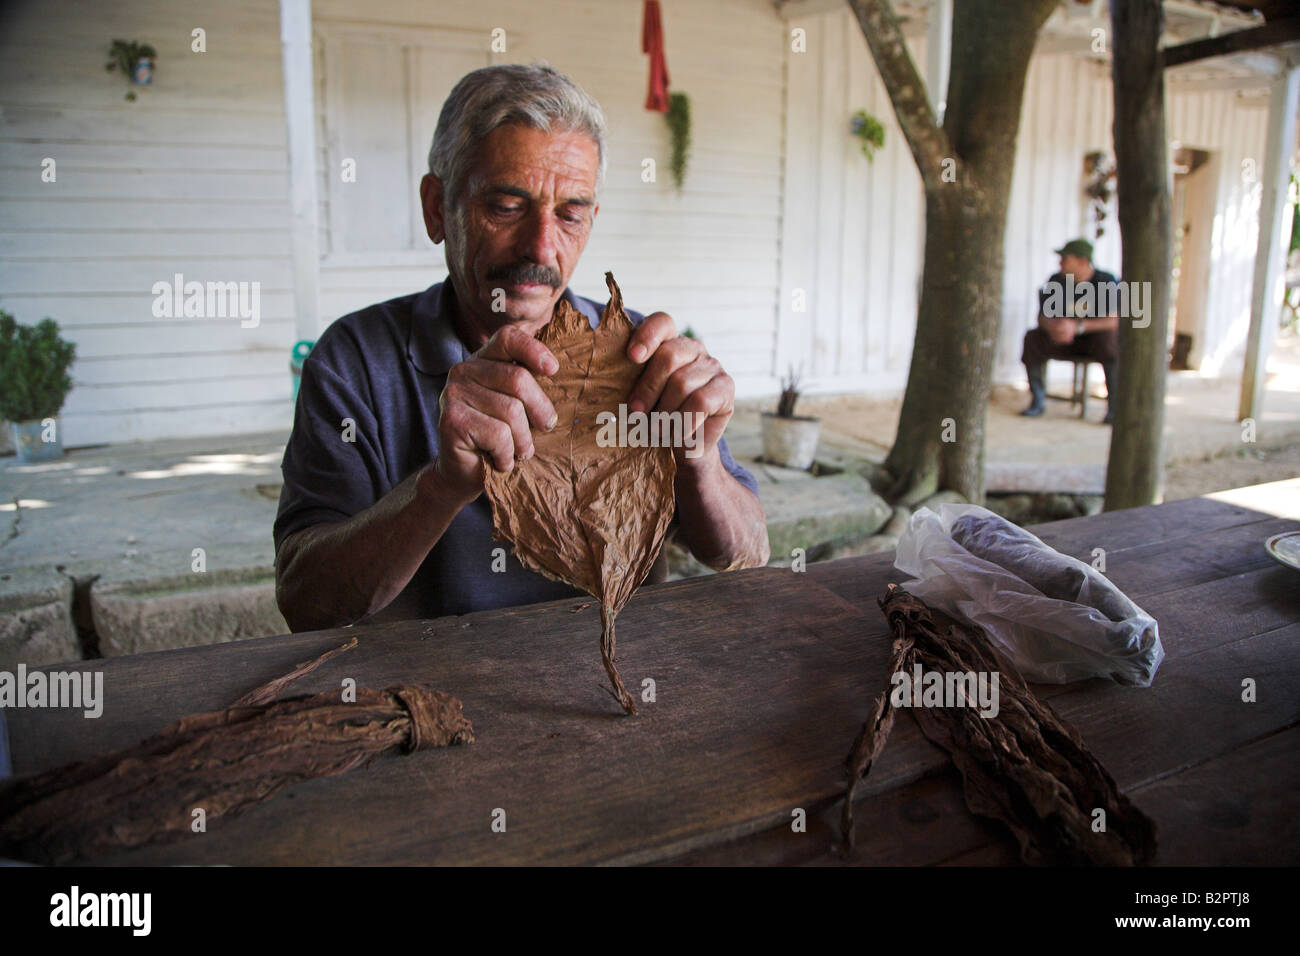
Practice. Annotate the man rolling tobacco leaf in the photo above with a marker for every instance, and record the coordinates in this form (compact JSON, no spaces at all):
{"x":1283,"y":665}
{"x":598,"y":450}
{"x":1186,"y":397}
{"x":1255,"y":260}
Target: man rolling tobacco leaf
{"x":385,"y":518}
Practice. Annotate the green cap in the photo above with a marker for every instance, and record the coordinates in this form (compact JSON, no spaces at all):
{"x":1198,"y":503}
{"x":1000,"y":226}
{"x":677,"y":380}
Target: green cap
{"x":1076,"y":247}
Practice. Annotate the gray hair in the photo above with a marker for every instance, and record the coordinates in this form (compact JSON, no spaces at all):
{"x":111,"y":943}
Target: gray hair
{"x":536,"y":96}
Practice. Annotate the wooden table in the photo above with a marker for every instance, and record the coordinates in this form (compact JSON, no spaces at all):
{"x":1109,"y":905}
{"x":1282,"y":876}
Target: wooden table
{"x":762,"y":680}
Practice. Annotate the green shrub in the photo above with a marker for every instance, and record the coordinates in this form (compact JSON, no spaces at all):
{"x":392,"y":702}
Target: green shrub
{"x":34,"y":362}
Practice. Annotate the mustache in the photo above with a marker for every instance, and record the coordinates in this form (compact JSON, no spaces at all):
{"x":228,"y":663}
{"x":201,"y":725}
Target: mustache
{"x":525,"y":272}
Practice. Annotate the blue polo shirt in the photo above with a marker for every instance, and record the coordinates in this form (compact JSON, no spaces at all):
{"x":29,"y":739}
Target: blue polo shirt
{"x":384,"y":368}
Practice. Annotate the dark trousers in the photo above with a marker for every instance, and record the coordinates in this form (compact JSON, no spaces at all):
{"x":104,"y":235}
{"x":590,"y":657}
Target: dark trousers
{"x":1100,"y":347}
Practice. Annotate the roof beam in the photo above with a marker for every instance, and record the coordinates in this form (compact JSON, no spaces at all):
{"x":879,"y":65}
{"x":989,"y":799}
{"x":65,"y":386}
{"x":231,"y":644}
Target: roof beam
{"x":1255,"y":38}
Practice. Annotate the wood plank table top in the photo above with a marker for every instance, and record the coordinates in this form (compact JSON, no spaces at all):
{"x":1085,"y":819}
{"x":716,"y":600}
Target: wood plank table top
{"x":762,"y":680}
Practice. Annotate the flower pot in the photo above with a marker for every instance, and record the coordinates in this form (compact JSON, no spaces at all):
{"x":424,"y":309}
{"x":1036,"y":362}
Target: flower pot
{"x":29,"y":441}
{"x":790,"y":442}
{"x":142,"y":72}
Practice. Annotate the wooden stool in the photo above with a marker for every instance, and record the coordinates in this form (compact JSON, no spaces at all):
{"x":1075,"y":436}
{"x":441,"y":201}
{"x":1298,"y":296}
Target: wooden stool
{"x":1080,"y":395}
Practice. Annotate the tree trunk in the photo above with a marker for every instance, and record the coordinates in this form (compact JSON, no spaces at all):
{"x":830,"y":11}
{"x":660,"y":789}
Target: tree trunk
{"x":965,"y":168}
{"x":1135,"y":471}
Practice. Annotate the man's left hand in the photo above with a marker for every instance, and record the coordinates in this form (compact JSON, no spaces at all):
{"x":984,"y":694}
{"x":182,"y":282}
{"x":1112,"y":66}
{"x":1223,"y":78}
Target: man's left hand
{"x":681,"y":376}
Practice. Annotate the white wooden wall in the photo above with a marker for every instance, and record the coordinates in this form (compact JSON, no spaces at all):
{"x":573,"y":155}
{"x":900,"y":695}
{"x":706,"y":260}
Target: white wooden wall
{"x":189,"y":178}
{"x":853,"y":232}
{"x":1235,"y":130}
{"x":192,"y":178}
{"x":709,"y":255}
{"x":852,"y":229}
{"x":1068,"y":112}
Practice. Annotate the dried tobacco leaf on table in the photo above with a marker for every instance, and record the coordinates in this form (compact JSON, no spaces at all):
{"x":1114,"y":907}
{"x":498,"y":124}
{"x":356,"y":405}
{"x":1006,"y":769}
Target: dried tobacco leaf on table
{"x":1025,"y":767}
{"x":224,"y":761}
{"x":592,"y":517}
{"x":269,"y":691}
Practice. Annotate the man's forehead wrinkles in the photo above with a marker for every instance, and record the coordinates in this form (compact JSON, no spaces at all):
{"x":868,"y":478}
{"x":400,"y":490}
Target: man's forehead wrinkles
{"x":572,"y":170}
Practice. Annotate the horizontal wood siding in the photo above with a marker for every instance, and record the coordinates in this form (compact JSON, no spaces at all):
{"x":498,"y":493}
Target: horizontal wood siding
{"x":851,"y":240}
{"x":1068,"y":112}
{"x":191,"y":178}
{"x":708,"y":255}
{"x":853,"y":232}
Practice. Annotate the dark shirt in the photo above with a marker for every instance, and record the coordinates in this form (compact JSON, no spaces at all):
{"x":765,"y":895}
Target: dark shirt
{"x":1094,"y":298}
{"x":384,"y":368}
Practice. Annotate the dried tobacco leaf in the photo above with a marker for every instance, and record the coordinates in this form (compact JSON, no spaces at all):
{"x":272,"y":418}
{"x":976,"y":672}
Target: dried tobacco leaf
{"x":272,"y":689}
{"x":225,"y":761}
{"x":1025,"y":767}
{"x":592,"y":517}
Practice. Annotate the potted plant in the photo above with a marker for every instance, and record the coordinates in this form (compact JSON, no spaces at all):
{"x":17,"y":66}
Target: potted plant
{"x":135,"y":60}
{"x":34,"y":382}
{"x":790,"y":440}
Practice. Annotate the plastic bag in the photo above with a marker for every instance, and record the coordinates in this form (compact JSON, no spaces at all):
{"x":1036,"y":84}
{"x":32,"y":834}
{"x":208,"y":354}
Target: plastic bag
{"x":1056,"y":618}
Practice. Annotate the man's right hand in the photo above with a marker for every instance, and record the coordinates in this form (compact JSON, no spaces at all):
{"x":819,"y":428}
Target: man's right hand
{"x":1060,"y":331}
{"x":490,"y":405}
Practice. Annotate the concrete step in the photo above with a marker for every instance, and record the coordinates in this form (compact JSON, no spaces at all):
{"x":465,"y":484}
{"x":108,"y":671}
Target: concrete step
{"x":145,"y":602}
{"x":134,"y":602}
{"x":36,"y":624}
{"x":1045,"y":478}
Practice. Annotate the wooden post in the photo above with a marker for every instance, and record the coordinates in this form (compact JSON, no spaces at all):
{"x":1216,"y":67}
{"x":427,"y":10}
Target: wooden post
{"x":1135,"y":468}
{"x":300,"y":124}
{"x":1270,"y":253}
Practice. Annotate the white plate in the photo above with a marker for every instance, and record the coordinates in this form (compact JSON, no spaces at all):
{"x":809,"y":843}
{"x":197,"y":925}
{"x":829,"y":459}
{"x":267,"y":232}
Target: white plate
{"x":1285,"y":548}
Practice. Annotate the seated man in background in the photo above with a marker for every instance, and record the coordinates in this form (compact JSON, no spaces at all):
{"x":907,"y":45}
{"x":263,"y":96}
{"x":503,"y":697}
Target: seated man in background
{"x":1076,"y":320}
{"x":390,"y":520}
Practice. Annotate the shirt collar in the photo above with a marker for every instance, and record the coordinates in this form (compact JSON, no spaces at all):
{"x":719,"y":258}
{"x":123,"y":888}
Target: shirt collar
{"x":432,"y":343}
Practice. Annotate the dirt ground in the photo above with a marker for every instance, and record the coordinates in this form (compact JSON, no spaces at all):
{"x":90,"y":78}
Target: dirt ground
{"x":1204,"y":446}
{"x":1189,"y":479}
{"x":866,"y":422}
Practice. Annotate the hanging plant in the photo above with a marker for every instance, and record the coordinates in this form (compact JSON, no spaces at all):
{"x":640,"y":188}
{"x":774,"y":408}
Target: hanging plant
{"x":870,"y":131}
{"x":1099,"y":187}
{"x":135,"y":60}
{"x":678,"y":118}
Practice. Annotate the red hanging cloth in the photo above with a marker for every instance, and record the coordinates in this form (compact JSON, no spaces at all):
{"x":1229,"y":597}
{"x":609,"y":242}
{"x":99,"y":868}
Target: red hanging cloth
{"x":652,"y":42}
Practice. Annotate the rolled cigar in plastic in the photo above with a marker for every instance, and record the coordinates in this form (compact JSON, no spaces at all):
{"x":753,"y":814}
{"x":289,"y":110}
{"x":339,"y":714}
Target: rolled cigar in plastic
{"x":1011,"y":547}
